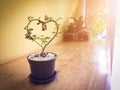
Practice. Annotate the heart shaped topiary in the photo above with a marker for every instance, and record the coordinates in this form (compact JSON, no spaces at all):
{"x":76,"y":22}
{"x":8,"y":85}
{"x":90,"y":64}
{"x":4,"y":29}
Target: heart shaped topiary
{"x":44,"y":40}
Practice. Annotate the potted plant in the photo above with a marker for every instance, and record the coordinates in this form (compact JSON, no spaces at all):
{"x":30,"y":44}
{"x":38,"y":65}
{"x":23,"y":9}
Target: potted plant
{"x":75,"y":30}
{"x":75,"y":24}
{"x":42,"y":64}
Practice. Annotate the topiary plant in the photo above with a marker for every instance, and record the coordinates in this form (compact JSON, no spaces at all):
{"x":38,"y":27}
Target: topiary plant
{"x":75,"y":24}
{"x":44,"y":40}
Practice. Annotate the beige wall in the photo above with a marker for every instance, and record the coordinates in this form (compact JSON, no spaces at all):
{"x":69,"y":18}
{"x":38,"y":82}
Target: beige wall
{"x":13,"y":18}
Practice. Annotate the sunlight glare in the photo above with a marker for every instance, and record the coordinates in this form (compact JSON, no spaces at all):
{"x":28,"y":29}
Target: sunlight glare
{"x":102,"y":60}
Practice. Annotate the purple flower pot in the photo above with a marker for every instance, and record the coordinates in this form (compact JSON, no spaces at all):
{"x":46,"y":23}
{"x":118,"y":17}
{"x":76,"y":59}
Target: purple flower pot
{"x":42,"y":72}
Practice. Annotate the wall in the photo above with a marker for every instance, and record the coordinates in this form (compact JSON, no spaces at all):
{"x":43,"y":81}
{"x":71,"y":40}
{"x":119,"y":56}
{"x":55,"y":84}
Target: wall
{"x":13,"y":18}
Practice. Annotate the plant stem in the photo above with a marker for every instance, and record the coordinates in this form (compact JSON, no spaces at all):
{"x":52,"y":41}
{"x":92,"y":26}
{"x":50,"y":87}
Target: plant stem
{"x":44,"y":22}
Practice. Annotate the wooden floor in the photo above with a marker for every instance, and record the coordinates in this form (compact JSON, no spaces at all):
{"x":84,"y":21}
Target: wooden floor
{"x":78,"y":64}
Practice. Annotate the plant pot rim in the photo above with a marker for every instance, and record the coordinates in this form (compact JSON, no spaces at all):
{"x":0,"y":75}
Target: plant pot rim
{"x":55,"y":56}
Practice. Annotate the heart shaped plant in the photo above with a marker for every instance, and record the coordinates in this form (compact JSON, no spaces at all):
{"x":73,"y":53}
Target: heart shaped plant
{"x":42,"y":40}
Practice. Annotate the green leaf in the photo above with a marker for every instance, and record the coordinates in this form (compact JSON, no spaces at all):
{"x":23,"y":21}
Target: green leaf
{"x":53,"y":32}
{"x":25,"y":27}
{"x":44,"y":41}
{"x":37,"y":37}
{"x":29,"y":37}
{"x":47,"y":37}
{"x":26,"y":35}
{"x":50,"y":18}
{"x":59,"y":32}
{"x":29,"y":32}
{"x":41,"y":36}
{"x":30,"y":29}
{"x":58,"y":19}
{"x":46,"y":18}
{"x":34,"y":36}
{"x":30,"y":18}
